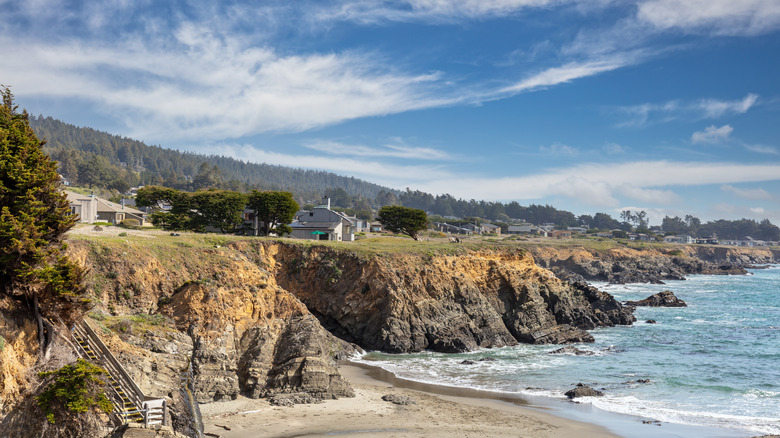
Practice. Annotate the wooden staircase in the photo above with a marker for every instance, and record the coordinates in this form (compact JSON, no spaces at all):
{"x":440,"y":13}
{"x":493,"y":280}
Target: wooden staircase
{"x":132,"y":406}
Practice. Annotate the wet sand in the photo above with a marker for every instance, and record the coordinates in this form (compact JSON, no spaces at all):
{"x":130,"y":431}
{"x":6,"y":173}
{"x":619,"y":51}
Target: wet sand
{"x":438,"y":411}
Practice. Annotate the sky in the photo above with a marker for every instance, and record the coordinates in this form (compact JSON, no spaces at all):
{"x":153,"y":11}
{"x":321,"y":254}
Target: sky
{"x":667,"y":106}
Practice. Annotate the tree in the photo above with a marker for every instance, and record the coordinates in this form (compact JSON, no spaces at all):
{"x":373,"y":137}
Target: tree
{"x":34,"y":216}
{"x":398,"y":219}
{"x":222,"y":209}
{"x":274,"y":209}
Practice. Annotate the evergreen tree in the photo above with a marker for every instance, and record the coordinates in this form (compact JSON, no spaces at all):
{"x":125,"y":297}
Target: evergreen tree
{"x":398,"y":219}
{"x":274,"y":209}
{"x":34,"y":216}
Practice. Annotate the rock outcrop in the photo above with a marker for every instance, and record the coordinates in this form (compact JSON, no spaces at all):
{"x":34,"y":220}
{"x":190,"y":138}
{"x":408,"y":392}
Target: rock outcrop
{"x":408,"y":303}
{"x":661,"y":299}
{"x":582,"y":390}
{"x":267,"y":318}
{"x":648,"y":264}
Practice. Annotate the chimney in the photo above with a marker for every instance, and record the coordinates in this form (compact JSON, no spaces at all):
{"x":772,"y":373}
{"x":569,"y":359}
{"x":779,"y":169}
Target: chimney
{"x":326,"y":201}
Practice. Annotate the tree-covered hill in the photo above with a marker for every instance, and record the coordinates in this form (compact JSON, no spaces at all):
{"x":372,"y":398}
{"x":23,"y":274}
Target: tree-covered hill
{"x":93,"y":158}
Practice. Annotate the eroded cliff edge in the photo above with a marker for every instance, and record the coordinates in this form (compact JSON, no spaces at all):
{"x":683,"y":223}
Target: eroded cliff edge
{"x":261,"y":317}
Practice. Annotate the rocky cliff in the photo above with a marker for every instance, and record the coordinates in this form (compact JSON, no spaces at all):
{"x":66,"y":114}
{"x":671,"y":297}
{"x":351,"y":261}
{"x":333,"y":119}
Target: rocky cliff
{"x":261,"y":317}
{"x":648,"y":264}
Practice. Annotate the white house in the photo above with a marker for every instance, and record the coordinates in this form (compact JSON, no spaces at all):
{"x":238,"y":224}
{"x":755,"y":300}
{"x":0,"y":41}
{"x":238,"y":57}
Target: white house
{"x":679,"y":239}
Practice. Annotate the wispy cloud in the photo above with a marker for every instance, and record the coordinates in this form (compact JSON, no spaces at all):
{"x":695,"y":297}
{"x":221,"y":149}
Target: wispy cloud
{"x":613,"y":149}
{"x":761,"y":149}
{"x":754,"y":194}
{"x":559,"y":149}
{"x":712,"y":134}
{"x":600,"y":185}
{"x":644,"y":113}
{"x":429,"y":11}
{"x":718,"y":17}
{"x":212,"y":87}
{"x":565,"y":73}
{"x":388,"y":150}
{"x":379,"y":172}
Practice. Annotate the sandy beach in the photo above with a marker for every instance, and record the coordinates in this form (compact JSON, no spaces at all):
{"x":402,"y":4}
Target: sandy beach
{"x":446,"y":413}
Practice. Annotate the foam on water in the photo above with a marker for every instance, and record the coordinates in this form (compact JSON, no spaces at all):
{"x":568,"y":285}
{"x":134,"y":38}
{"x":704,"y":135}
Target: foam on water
{"x":713,"y":363}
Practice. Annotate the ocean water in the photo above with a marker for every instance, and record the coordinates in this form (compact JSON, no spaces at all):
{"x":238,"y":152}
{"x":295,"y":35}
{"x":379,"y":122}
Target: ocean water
{"x":715,"y":363}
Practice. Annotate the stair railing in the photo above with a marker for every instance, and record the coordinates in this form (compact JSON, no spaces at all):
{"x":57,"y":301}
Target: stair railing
{"x":152,"y":409}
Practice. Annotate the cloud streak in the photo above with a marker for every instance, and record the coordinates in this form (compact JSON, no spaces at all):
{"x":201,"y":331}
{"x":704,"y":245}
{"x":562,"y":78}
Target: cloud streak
{"x":712,"y":134}
{"x":639,"y":115}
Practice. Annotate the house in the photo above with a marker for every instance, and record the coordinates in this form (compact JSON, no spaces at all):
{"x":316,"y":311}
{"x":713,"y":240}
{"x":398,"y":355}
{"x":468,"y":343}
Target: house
{"x":561,"y":234}
{"x":91,"y":209}
{"x":578,"y":230}
{"x":376,"y":227}
{"x":322,"y":223}
{"x":522,"y":229}
{"x":490,"y":228}
{"x":444,"y":227}
{"x":679,"y":239}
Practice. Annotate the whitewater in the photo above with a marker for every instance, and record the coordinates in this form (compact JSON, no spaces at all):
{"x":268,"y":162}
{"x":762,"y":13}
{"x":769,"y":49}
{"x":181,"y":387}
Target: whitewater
{"x":715,"y":363}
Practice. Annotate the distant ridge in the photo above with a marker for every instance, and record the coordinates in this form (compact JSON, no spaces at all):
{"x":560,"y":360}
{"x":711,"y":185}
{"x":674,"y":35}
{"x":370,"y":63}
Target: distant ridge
{"x":73,"y":146}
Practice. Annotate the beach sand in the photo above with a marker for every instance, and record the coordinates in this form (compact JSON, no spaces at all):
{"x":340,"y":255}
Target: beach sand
{"x":437,"y":412}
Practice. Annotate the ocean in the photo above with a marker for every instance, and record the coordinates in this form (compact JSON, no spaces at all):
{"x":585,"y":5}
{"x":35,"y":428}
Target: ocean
{"x":715,"y":363}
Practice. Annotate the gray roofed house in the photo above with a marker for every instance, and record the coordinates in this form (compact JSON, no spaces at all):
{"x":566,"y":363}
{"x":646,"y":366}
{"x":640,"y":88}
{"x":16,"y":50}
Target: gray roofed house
{"x":322,"y":223}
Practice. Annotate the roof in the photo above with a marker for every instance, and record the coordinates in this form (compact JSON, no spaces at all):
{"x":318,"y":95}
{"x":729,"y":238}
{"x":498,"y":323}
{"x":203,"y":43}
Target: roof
{"x":107,"y":206}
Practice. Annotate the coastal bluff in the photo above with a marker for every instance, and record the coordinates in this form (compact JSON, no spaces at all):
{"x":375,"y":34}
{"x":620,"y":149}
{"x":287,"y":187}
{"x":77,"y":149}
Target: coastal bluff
{"x":263,"y":317}
{"x":648,"y":264}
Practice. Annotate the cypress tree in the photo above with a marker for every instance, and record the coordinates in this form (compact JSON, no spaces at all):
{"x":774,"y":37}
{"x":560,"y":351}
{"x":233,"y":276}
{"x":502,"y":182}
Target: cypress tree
{"x":34,"y":216}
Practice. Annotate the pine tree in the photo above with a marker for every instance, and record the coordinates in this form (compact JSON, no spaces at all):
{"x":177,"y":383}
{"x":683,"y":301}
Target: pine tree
{"x":34,"y":216}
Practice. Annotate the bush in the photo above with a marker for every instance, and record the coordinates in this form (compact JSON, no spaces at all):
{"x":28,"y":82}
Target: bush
{"x":75,"y":388}
{"x":130,"y":223}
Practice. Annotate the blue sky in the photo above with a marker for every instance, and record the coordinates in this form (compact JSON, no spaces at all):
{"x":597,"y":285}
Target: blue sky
{"x":592,"y":106}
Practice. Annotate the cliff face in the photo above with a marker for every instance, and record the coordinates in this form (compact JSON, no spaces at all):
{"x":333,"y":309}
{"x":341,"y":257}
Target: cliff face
{"x":650,"y":264}
{"x":409,"y":303}
{"x":260,"y":317}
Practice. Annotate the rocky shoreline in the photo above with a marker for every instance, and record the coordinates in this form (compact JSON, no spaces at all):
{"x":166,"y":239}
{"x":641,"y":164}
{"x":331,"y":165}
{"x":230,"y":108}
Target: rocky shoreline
{"x":265,"y":318}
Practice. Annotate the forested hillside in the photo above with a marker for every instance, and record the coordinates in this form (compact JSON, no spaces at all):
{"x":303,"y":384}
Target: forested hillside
{"x":97,"y":159}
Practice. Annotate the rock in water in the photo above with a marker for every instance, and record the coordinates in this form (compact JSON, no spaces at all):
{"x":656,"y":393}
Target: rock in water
{"x":572,"y":350}
{"x":582,"y":390}
{"x":661,"y":299}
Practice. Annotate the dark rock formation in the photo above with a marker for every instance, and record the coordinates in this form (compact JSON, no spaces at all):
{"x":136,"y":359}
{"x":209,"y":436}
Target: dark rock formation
{"x":648,"y":265}
{"x":408,"y":303}
{"x":582,"y":390}
{"x":661,"y":299}
{"x":651,"y":321}
{"x":572,"y":350}
{"x":293,"y":399}
{"x":468,"y":362}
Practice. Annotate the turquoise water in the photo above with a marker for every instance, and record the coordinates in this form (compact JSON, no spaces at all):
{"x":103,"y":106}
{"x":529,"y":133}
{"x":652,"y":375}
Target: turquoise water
{"x":714,"y":363}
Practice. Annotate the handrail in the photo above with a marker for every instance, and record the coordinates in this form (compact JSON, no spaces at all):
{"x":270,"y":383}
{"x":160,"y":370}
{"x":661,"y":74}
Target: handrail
{"x":147,"y":406}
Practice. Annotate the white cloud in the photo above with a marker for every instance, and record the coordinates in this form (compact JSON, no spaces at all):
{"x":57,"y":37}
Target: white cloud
{"x":754,"y":194}
{"x":217,"y":88}
{"x":559,"y":149}
{"x":757,"y":211}
{"x":374,"y":171}
{"x":600,"y":184}
{"x":388,"y":150}
{"x":719,"y":17}
{"x":676,"y":109}
{"x":761,"y":149}
{"x":564,"y":74}
{"x":712,"y":134}
{"x":713,"y":108}
{"x":613,"y":149}
{"x":432,"y":11}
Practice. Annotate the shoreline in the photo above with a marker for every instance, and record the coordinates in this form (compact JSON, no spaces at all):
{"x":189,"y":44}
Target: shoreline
{"x":612,"y":424}
{"x":468,"y":413}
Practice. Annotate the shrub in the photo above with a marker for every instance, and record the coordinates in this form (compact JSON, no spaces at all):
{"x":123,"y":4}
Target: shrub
{"x":122,"y":234}
{"x":130,"y":223}
{"x":74,"y":388}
